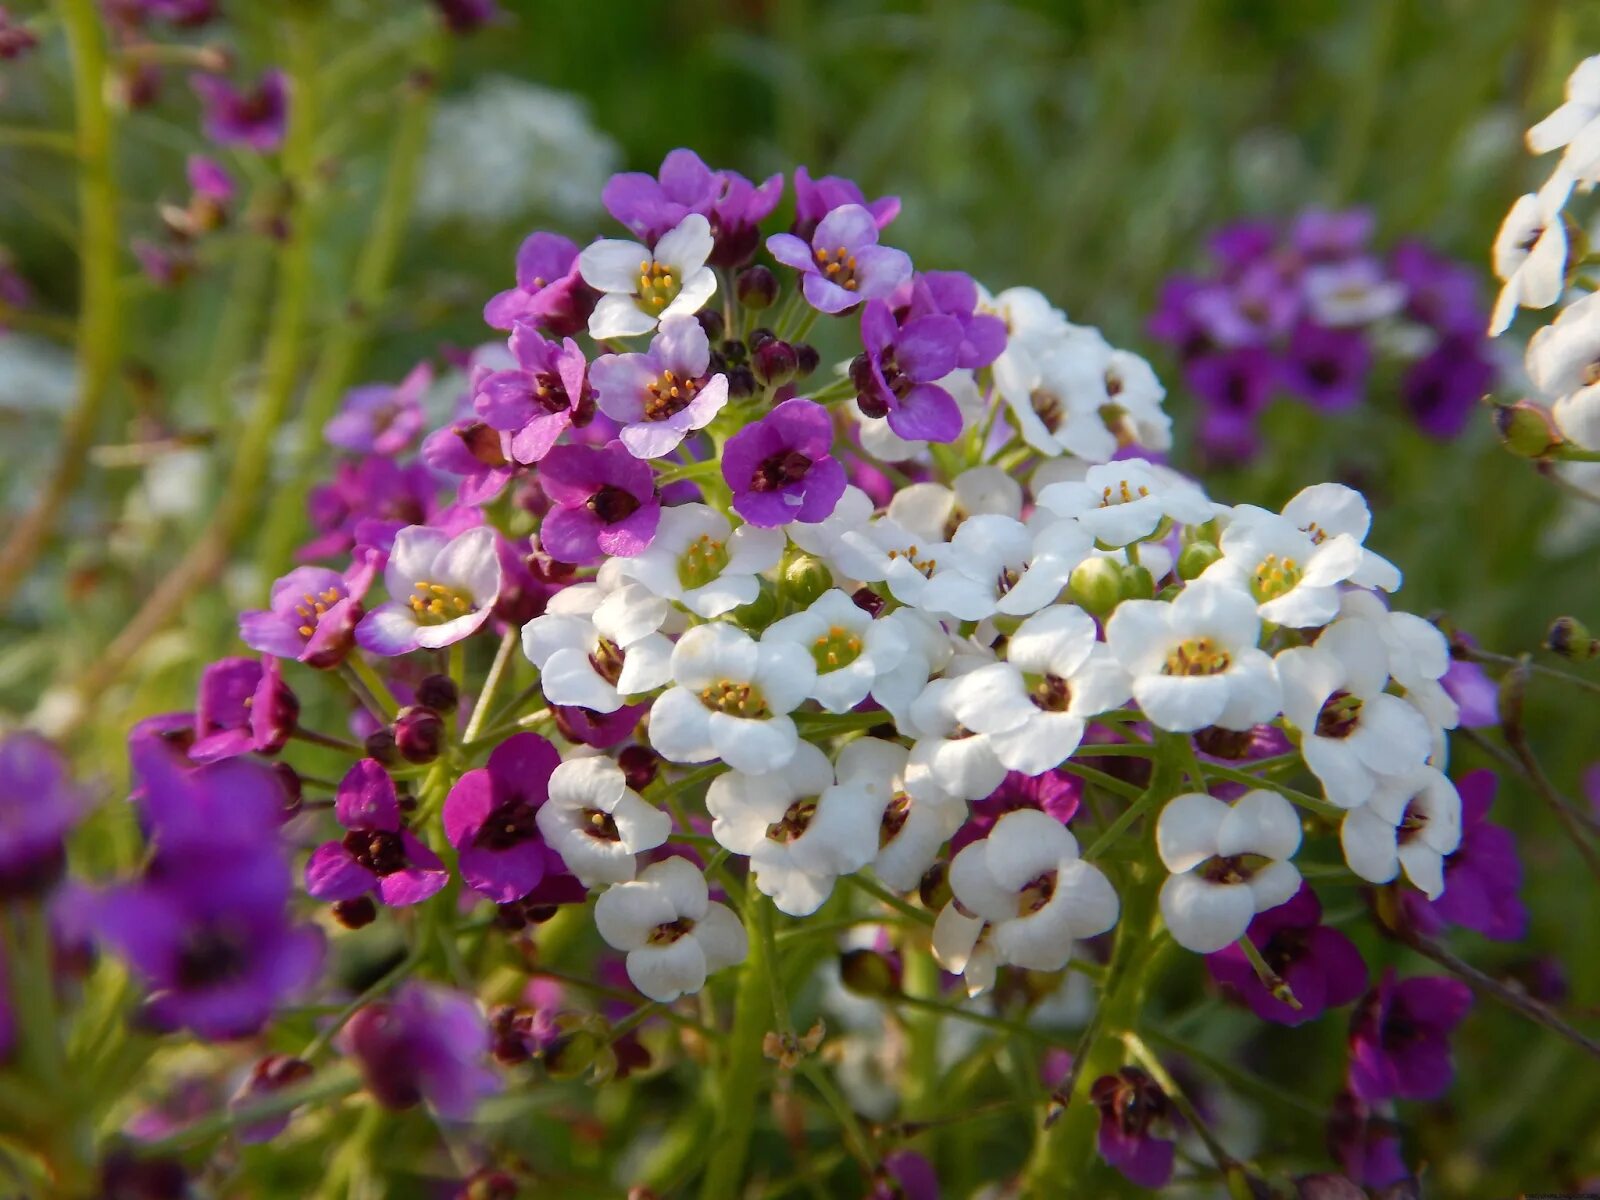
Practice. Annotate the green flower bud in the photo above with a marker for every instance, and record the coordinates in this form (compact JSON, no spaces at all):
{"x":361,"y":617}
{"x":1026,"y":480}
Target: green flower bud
{"x":1526,"y":429}
{"x":760,"y":612}
{"x":1570,"y":638}
{"x":1196,"y":557}
{"x":806,"y":578}
{"x":573,"y":1054}
{"x":1096,"y":585}
{"x":1137,"y":582}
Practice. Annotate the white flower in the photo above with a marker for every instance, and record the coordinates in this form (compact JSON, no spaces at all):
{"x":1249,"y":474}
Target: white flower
{"x":672,"y":933}
{"x":1329,"y":510}
{"x":1351,"y":293}
{"x":913,"y":826}
{"x":596,"y":822}
{"x":948,"y":755}
{"x":997,"y":565}
{"x":824,"y":538}
{"x":1575,"y":125}
{"x":1133,"y":401}
{"x":1056,"y":392}
{"x":852,"y":651}
{"x":1228,"y":863}
{"x":884,"y":551}
{"x":1530,"y":256}
{"x":700,"y":561}
{"x":1353,"y":733}
{"x":929,"y":650}
{"x":595,"y":647}
{"x":1034,"y":706}
{"x":800,"y":829}
{"x":641,"y":286}
{"x":1026,"y":882}
{"x":1122,"y":502}
{"x":1564,"y":363}
{"x":1194,"y":662}
{"x":441,"y":589}
{"x":730,"y":700}
{"x":1418,"y":654}
{"x":933,"y":511}
{"x":1411,"y":822}
{"x":1293,"y":579}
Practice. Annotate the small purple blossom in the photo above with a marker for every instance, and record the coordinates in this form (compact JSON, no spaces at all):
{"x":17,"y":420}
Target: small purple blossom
{"x":377,"y":854}
{"x":1475,"y":693}
{"x":255,"y":119}
{"x":780,"y":468}
{"x":16,"y":39}
{"x":1481,"y":877}
{"x":1443,"y":387}
{"x":664,"y":394}
{"x":209,"y":178}
{"x":605,"y":503}
{"x":380,"y":418}
{"x":955,"y":294}
{"x":312,"y":615}
{"x":38,"y":805}
{"x":550,"y":293}
{"x":1328,"y":367}
{"x":814,"y":199}
{"x":897,"y":372}
{"x":1132,"y":1106}
{"x":1322,"y":966}
{"x":1366,"y":1145}
{"x":479,"y":454}
{"x":244,"y":706}
{"x":489,"y":818}
{"x":597,"y":729}
{"x":540,"y":398}
{"x":735,"y":207}
{"x":906,"y":1175}
{"x":1054,"y":792}
{"x":425,"y":1043}
{"x":441,"y":589}
{"x":368,"y":502}
{"x":1400,"y":1037}
{"x":843,"y":264}
{"x":467,"y":16}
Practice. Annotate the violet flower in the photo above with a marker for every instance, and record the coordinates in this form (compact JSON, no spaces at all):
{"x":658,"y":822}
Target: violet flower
{"x":815,"y":199}
{"x":843,"y":264}
{"x":538,"y":400}
{"x":1481,"y":877}
{"x":1366,"y":1145}
{"x":441,"y":589}
{"x":467,"y":16}
{"x":243,"y":706}
{"x":1131,"y":1104}
{"x":597,"y":729}
{"x":661,"y":396}
{"x":906,"y":1175}
{"x":780,"y":468}
{"x":1477,"y":696}
{"x":1400,"y":1037}
{"x":489,"y":819}
{"x":1054,"y":792}
{"x":1443,"y":387}
{"x":255,"y":119}
{"x":1322,"y":966}
{"x":368,"y":502}
{"x":735,"y":207}
{"x":605,"y":503}
{"x":381,"y":418}
{"x":896,"y":374}
{"x":425,"y":1043}
{"x":38,"y":805}
{"x":1327,"y":367}
{"x":378,"y":854}
{"x":312,"y":615}
{"x":550,"y":293}
{"x":955,"y":294}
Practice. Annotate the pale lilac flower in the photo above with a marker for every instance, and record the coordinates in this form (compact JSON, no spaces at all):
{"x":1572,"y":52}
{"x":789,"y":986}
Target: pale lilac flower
{"x":550,"y":293}
{"x":537,"y":401}
{"x":661,"y":396}
{"x":843,"y":265}
{"x":380,"y":418}
{"x":441,"y":589}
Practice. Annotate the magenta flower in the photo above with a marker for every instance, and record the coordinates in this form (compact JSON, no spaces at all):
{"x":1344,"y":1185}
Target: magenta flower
{"x":425,"y":1043}
{"x":449,"y":587}
{"x":244,"y":706}
{"x":661,"y":396}
{"x":814,"y":199}
{"x":38,"y":804}
{"x":1322,"y":966}
{"x":1328,"y":367}
{"x":954,"y":294}
{"x":378,"y":854}
{"x":780,"y":468}
{"x":367,"y":503}
{"x":540,"y":399}
{"x":1131,"y":1105}
{"x":313,"y":614}
{"x":598,"y":729}
{"x":550,"y":294}
{"x":605,"y":503}
{"x":896,"y":374}
{"x":16,"y":39}
{"x":1400,"y":1037}
{"x":843,"y":265}
{"x":255,"y":119}
{"x":1055,"y":793}
{"x":481,"y":455}
{"x":1366,"y":1145}
{"x":467,"y":16}
{"x":734,"y":206}
{"x":209,"y":178}
{"x":1481,"y":877}
{"x":906,"y":1175}
{"x":380,"y":418}
{"x":489,"y":819}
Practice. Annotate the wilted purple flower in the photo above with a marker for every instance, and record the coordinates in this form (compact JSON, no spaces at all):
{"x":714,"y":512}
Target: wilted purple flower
{"x":597,"y":729}
{"x":381,"y":418}
{"x":1400,"y":1037}
{"x":954,"y":294}
{"x":606,"y":503}
{"x":661,"y":396}
{"x":369,"y":501}
{"x":467,"y":16}
{"x":244,"y":706}
{"x":441,"y":589}
{"x":735,"y":207}
{"x":1366,"y":1145}
{"x":550,"y":293}
{"x":1131,"y":1105}
{"x":1327,"y":367}
{"x":815,"y":199}
{"x":426,"y":1043}
{"x":538,"y":400}
{"x":255,"y":119}
{"x":38,"y":804}
{"x":780,"y":468}
{"x":843,"y":264}
{"x":1322,"y":966}
{"x":906,"y":1175}
{"x":897,"y":372}
{"x":313,"y":615}
{"x":1482,"y":876}
{"x":378,"y":854}
{"x":489,"y":819}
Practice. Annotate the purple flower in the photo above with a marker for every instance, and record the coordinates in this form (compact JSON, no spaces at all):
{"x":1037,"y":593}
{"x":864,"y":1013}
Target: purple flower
{"x":844,"y":264}
{"x":539,"y":399}
{"x":16,"y":39}
{"x":1054,"y":792}
{"x":1366,"y":1146}
{"x":896,"y":373}
{"x":1130,"y":1104}
{"x":38,"y":804}
{"x":780,"y":468}
{"x":1322,"y":966}
{"x":1443,"y":295}
{"x":480,"y":454}
{"x":467,"y":16}
{"x":1481,"y":878}
{"x":1239,"y":245}
{"x":1257,"y":308}
{"x":425,"y":1043}
{"x":210,"y":179}
{"x":1475,"y":694}
{"x":313,"y":614}
{"x":449,"y":585}
{"x":489,"y":818}
{"x":605,"y":503}
{"x":662,"y":395}
{"x":1327,"y":367}
{"x":271,"y":1074}
{"x":1321,"y":236}
{"x":368,"y":502}
{"x":954,"y":294}
{"x":1236,"y":386}
{"x":188,"y":807}
{"x":1400,"y":1037}
{"x":1443,"y":387}
{"x":379,"y":418}
{"x":597,"y":729}
{"x":378,"y":854}
{"x":255,"y":119}
{"x":906,"y":1175}
{"x":734,"y":206}
{"x":244,"y":706}
{"x":549,"y":294}
{"x":182,"y":13}
{"x":815,"y":199}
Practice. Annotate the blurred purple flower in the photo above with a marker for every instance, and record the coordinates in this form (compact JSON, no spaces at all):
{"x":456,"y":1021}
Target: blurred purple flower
{"x":1400,"y":1037}
{"x":255,"y":119}
{"x":425,"y":1043}
{"x":1322,"y":966}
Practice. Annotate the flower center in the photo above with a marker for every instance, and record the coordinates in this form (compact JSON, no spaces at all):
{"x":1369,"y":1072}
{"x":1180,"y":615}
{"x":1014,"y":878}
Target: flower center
{"x":1197,"y":656}
{"x":1049,"y":693}
{"x":378,"y":850}
{"x":1591,"y":373}
{"x":1339,"y":715}
{"x":894,"y":819}
{"x":925,"y":565}
{"x":795,"y":821}
{"x":612,"y":504}
{"x":311,"y":609}
{"x":436,"y":603}
{"x":735,"y":699}
{"x":838,"y":267}
{"x":669,"y":394}
{"x":1411,"y":823}
{"x":780,"y":470}
{"x":507,"y":825}
{"x":607,"y":661}
{"x":550,"y":393}
{"x":658,"y":287}
{"x":1234,"y":868}
{"x":836,"y":648}
{"x":1274,"y":577}
{"x":482,"y":443}
{"x":1285,"y":948}
{"x":1036,"y":893}
{"x":1047,"y":407}
{"x":212,"y":955}
{"x":600,"y":826}
{"x":704,"y":560}
{"x":1122,"y":494}
{"x":670,"y":931}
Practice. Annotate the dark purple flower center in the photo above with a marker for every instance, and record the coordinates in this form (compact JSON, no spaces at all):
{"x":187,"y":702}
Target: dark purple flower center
{"x":607,"y":661}
{"x":378,"y":850}
{"x":601,"y":826}
{"x":1286,"y":947}
{"x":670,"y":394}
{"x":211,"y":955}
{"x":1047,"y":406}
{"x":507,"y":825}
{"x":550,"y":393}
{"x":780,"y":470}
{"x":1232,"y":868}
{"x":612,"y":504}
{"x":1131,"y":1100}
{"x":669,"y":932}
{"x":1412,"y":822}
{"x":482,"y":443}
{"x":796,"y":820}
{"x":1339,"y":715}
{"x":894,"y":819}
{"x":1051,"y":694}
{"x":1036,"y":893}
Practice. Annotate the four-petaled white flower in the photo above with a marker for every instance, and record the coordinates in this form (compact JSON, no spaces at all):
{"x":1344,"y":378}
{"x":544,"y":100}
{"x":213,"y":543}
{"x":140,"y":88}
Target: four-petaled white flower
{"x":1564,"y":363}
{"x":852,"y":651}
{"x":596,"y":822}
{"x":595,"y":647}
{"x":1413,"y":822}
{"x":674,"y":936}
{"x":641,"y":286}
{"x":441,"y":589}
{"x":1575,"y":125}
{"x":1125,"y":501}
{"x":1228,"y":863}
{"x":947,"y":754}
{"x":996,"y":565}
{"x":699,"y":560}
{"x":934,"y":511}
{"x":1530,"y":255}
{"x":1327,"y":511}
{"x":1293,"y":578}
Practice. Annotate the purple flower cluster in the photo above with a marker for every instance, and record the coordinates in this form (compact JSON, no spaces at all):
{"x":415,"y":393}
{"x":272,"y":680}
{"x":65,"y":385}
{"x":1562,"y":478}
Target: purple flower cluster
{"x":1301,"y":312}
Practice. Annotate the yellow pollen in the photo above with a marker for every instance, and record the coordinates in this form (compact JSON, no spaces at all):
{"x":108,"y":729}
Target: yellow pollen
{"x":1123,"y":495}
{"x":1197,"y":656}
{"x":735,"y":699}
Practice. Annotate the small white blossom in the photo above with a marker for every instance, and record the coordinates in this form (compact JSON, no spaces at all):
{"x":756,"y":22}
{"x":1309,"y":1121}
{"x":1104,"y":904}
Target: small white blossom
{"x":1418,"y":654}
{"x":1564,"y":363}
{"x":595,"y":647}
{"x":698,"y":559}
{"x":642,"y":286}
{"x":851,"y":650}
{"x":1411,"y":822}
{"x":674,"y":936}
{"x":1327,"y":511}
{"x":1293,"y":579}
{"x":996,"y":565}
{"x":596,"y":822}
{"x":1124,"y":501}
{"x":884,"y":551}
{"x":934,"y":511}
{"x":947,"y":754}
{"x":918,"y":819}
{"x":1352,"y":293}
{"x":1530,"y":256}
{"x":1575,"y":125}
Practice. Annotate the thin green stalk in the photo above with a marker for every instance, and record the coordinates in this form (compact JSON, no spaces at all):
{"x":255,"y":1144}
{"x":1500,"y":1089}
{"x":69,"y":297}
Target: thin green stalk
{"x":333,"y":1084}
{"x":1158,"y":1072}
{"x":491,"y":685}
{"x":878,"y":892}
{"x":1316,"y":804}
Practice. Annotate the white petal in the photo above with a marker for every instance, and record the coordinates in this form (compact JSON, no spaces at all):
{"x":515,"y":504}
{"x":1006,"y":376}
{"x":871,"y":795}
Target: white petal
{"x":1369,"y":846}
{"x":1204,"y":916}
{"x":1188,"y":830}
{"x":664,"y":973}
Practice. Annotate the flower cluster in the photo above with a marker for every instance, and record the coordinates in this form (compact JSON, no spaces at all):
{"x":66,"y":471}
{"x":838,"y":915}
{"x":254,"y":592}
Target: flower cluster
{"x":1307,"y":312}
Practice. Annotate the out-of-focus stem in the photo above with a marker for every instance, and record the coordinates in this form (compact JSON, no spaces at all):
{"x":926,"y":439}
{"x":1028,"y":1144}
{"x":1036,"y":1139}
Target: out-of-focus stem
{"x":736,"y":1097}
{"x":99,"y":330}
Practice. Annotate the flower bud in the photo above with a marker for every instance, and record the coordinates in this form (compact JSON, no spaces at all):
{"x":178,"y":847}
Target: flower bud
{"x":438,"y":692}
{"x":774,"y":363}
{"x":807,"y":360}
{"x":759,"y":335}
{"x":711,"y":321}
{"x":419,"y":734}
{"x":1570,"y":638}
{"x":760,"y":612}
{"x":1137,"y":582}
{"x":756,"y":288}
{"x":806,"y":578}
{"x":1526,"y":429}
{"x":1196,"y":557}
{"x":868,"y":601}
{"x":379,"y":744}
{"x":734,"y":352}
{"x":489,"y":1183}
{"x":355,"y":914}
{"x":868,"y":973}
{"x":934,"y":888}
{"x":1096,"y":585}
{"x":572,"y":1054}
{"x":639,"y":766}
{"x":741,"y":383}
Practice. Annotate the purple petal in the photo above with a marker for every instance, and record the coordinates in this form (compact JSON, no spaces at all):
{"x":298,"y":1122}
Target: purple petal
{"x":332,"y":875}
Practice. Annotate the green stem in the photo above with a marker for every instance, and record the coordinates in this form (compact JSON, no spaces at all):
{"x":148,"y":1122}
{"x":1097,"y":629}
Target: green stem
{"x":1316,"y":804}
{"x":878,"y":892}
{"x":491,"y":685}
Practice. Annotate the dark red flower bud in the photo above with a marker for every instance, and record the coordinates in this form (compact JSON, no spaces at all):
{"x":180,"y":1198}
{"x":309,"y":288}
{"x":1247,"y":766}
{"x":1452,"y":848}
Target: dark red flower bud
{"x":774,"y":363}
{"x":639,"y":766}
{"x":438,"y":692}
{"x":419,"y":734}
{"x":756,"y":288}
{"x":355,"y":914}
